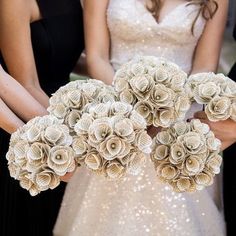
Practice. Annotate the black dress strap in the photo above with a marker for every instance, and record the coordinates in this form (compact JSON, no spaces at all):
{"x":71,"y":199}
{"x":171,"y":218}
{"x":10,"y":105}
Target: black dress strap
{"x":50,"y":8}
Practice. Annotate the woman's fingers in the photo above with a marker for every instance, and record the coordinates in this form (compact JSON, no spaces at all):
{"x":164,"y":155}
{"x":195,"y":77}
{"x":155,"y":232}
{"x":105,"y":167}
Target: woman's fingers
{"x":67,"y":176}
{"x":200,"y":115}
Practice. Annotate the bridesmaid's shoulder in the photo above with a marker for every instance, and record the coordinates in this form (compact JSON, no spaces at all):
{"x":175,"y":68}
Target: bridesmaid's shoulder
{"x":16,"y":9}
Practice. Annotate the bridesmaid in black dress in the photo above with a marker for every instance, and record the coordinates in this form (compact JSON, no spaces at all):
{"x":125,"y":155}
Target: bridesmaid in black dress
{"x":229,"y":176}
{"x":40,"y":45}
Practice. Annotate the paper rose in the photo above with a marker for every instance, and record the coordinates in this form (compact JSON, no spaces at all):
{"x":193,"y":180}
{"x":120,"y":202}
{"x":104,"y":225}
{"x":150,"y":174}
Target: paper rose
{"x":186,"y":156}
{"x":39,"y":153}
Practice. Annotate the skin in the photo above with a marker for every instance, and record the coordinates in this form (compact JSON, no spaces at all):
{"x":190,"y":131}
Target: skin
{"x":16,"y":48}
{"x":18,"y":53}
{"x":10,"y":87}
{"x":223,"y":130}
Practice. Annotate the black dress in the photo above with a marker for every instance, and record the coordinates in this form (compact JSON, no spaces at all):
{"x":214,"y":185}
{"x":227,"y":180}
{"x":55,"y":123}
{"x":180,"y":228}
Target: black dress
{"x":57,"y":42}
{"x":229,"y":176}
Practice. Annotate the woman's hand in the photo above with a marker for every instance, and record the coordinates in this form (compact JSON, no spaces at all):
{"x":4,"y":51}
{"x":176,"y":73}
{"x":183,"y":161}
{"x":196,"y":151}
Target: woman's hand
{"x":66,"y":178}
{"x":152,"y":131}
{"x":18,"y":99}
{"x":223,"y":130}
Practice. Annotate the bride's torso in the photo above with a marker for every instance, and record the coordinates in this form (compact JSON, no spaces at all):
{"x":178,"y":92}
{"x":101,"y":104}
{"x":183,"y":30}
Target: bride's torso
{"x":134,"y":31}
{"x":140,"y":205}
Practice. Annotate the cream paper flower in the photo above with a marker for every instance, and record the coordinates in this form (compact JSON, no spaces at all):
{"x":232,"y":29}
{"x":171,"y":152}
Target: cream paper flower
{"x":204,"y":93}
{"x":26,"y":182}
{"x":57,"y":135}
{"x":145,"y":109}
{"x":164,"y":118}
{"x":203,"y":179}
{"x":143,"y":141}
{"x":93,"y":160}
{"x":167,"y":172}
{"x":186,"y":156}
{"x":39,"y":153}
{"x":125,"y":129}
{"x":136,"y":162}
{"x":80,"y":145}
{"x":193,"y":165}
{"x":161,"y":96}
{"x":177,"y":153}
{"x":193,"y":142}
{"x":113,"y":147}
{"x":72,"y":119}
{"x":218,"y":108}
{"x":160,"y":152}
{"x":181,"y":128}
{"x":142,"y":86}
{"x":99,"y":131}
{"x":61,"y":160}
{"x":184,"y":184}
{"x":214,"y":162}
{"x":120,"y":108}
{"x":46,"y":179}
{"x":114,"y":170}
{"x":128,"y":96}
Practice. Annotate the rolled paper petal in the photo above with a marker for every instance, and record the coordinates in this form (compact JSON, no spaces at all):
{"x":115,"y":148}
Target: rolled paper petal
{"x":144,"y":109}
{"x":72,"y":118}
{"x":128,"y":97}
{"x":143,"y":141}
{"x":120,"y":108}
{"x":34,"y":134}
{"x":114,"y":170}
{"x":59,"y":110}
{"x":124,"y":127}
{"x":142,"y":86}
{"x":219,"y":108}
{"x":60,"y":159}
{"x":177,"y":153}
{"x":138,"y":121}
{"x":198,"y":126}
{"x":93,"y":160}
{"x":164,"y":137}
{"x":161,"y":96}
{"x":160,"y":152}
{"x":181,"y":128}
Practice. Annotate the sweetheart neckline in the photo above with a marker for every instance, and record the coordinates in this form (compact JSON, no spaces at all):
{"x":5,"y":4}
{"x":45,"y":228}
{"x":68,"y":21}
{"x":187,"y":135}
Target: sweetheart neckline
{"x":158,"y":22}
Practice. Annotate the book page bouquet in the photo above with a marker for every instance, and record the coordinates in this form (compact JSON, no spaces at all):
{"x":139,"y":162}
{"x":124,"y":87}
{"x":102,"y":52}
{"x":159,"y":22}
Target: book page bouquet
{"x":105,"y":128}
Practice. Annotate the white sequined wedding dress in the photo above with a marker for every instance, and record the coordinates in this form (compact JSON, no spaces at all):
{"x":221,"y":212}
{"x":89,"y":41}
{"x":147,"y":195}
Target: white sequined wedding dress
{"x":141,"y":205}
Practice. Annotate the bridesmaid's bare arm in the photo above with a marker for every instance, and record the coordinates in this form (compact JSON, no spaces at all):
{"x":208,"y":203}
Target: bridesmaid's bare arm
{"x":224,"y":130}
{"x":8,"y":120}
{"x":18,"y":99}
{"x":207,"y":52}
{"x":97,"y":40}
{"x":16,"y":46}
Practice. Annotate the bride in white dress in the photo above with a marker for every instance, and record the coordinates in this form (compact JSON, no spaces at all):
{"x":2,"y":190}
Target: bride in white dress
{"x":141,"y":205}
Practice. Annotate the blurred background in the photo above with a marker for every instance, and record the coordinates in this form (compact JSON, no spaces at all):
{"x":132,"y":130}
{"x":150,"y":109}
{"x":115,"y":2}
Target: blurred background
{"x":228,"y":53}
